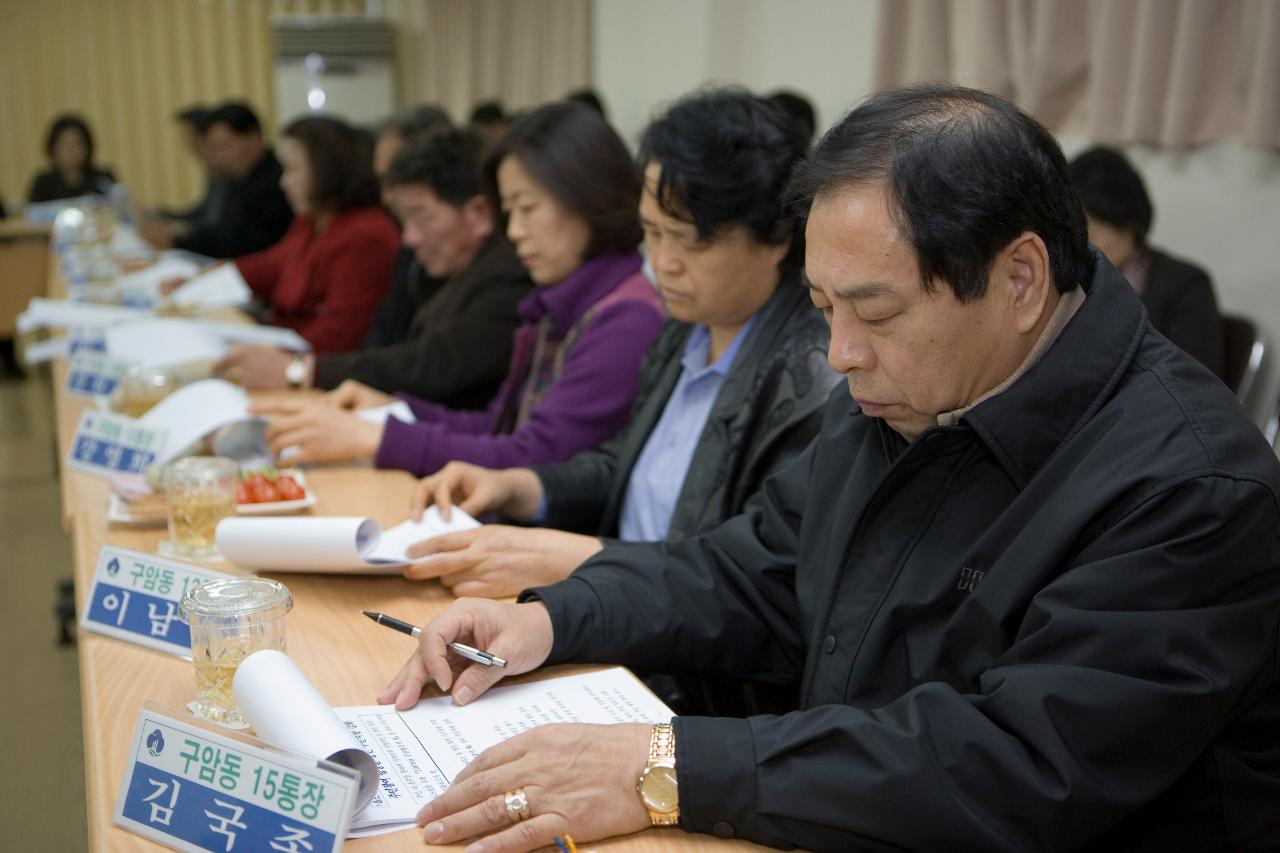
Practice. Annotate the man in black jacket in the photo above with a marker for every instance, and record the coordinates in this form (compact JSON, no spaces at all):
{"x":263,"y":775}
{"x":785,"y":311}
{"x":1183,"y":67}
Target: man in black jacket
{"x":459,"y":342}
{"x":255,"y":214}
{"x":1028,"y":579}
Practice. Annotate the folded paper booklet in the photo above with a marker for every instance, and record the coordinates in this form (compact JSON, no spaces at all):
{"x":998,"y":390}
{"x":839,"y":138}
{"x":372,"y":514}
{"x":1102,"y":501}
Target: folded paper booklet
{"x":416,"y":754}
{"x":330,"y":544}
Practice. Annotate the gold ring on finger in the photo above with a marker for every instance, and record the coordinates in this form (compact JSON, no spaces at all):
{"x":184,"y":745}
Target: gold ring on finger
{"x":517,"y":803}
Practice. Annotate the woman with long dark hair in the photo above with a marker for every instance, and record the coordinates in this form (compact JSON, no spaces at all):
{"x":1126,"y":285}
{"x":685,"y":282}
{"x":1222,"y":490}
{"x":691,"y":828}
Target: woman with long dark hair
{"x":569,"y":192}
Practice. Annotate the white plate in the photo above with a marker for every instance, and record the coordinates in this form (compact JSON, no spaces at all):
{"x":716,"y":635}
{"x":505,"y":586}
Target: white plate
{"x":118,"y":511}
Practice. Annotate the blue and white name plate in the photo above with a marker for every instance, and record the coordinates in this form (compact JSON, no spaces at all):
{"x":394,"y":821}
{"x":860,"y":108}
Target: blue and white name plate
{"x":191,"y":787}
{"x":107,"y":444}
{"x":82,"y":339}
{"x":135,"y":597}
{"x":94,"y":374}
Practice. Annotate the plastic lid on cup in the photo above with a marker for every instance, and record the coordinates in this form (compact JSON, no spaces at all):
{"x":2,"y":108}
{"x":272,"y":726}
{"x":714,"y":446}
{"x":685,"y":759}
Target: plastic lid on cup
{"x":235,"y":598}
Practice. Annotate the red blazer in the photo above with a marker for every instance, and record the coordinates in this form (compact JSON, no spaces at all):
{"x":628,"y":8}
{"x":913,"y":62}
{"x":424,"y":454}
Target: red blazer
{"x":327,"y":286}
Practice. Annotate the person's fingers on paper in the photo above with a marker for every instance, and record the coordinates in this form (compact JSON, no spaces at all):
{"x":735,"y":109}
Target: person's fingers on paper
{"x":434,"y":651}
{"x":169,"y":285}
{"x":229,"y":361}
{"x":444,"y":543}
{"x":443,"y":564}
{"x":415,"y":669}
{"x":345,"y":396}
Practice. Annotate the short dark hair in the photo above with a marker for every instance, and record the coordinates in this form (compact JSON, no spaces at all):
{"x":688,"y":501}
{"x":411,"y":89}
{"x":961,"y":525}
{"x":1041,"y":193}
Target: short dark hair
{"x":573,"y":154}
{"x":725,"y":157}
{"x":446,"y":162}
{"x":1112,"y":191}
{"x":238,"y":116}
{"x":588,"y":98}
{"x":69,"y":121}
{"x":488,"y":112}
{"x":341,"y":159}
{"x":196,"y":115}
{"x":799,"y":110}
{"x":416,"y":120}
{"x":964,"y":172}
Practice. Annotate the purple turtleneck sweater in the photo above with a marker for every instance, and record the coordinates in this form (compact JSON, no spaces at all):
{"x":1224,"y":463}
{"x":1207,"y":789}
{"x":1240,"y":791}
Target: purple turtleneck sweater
{"x":571,"y":383}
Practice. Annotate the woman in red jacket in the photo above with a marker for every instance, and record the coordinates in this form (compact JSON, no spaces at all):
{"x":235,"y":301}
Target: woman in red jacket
{"x":328,"y":273}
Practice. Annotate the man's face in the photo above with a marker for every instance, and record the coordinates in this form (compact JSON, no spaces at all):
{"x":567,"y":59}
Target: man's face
{"x":908,"y":355}
{"x":444,"y":238}
{"x":232,"y":154}
{"x":720,"y":282}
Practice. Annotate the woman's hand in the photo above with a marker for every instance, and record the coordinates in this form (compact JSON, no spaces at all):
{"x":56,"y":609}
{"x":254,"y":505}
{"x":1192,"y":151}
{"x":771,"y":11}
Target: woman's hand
{"x":354,"y":395}
{"x":320,"y":433}
{"x":513,"y":492}
{"x":497,"y":561}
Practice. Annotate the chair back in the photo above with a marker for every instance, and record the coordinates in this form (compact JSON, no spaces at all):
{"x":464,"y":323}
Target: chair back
{"x":1245,"y":351}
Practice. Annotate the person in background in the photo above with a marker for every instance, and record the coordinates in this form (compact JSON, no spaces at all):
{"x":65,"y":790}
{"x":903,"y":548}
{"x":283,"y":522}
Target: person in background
{"x":569,"y":191}
{"x":327,"y":274}
{"x":459,"y":344}
{"x":72,"y":171}
{"x":193,"y":124}
{"x":588,"y":97}
{"x":799,"y":111}
{"x":255,"y":214}
{"x":729,"y":391}
{"x":410,"y":286}
{"x":490,"y":120}
{"x":1178,"y":295}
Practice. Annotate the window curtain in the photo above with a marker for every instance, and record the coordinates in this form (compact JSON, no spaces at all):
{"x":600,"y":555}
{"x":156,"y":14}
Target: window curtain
{"x":1160,"y":72}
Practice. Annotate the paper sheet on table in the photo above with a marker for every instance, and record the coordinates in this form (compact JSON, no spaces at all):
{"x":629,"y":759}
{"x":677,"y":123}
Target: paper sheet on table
{"x":269,"y":336}
{"x":60,"y":313}
{"x":46,"y":350}
{"x":220,"y":287}
{"x":164,"y":342}
{"x":148,"y":279}
{"x":329,"y":544}
{"x":194,"y":411}
{"x":378,"y":414}
{"x":419,"y":752}
{"x":285,"y":710}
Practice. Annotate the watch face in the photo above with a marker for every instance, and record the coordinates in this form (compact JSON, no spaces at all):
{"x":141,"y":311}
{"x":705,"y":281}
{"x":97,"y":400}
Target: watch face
{"x":659,"y":789}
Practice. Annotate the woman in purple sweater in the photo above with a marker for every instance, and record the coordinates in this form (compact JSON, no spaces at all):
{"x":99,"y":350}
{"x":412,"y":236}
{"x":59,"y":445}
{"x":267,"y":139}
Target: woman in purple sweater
{"x":569,"y":192}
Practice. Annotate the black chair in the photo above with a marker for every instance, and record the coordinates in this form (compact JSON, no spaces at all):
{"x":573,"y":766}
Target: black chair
{"x":1245,"y":351}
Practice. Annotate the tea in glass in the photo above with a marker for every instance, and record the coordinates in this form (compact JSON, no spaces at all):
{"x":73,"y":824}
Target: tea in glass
{"x":200,"y":491}
{"x":231,"y":619}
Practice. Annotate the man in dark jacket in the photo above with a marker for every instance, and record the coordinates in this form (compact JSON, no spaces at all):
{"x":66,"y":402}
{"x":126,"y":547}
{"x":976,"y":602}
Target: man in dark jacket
{"x":459,"y":343}
{"x":1028,"y":579}
{"x":255,"y":214}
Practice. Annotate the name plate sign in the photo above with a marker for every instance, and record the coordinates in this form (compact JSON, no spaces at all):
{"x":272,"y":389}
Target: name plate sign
{"x":135,"y":597}
{"x":192,"y":788}
{"x":107,"y":444}
{"x":93,"y":374}
{"x":84,"y":339}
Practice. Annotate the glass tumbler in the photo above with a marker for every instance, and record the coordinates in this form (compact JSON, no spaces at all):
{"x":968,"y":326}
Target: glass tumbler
{"x":140,"y":388}
{"x":231,"y":619}
{"x":199,"y":491}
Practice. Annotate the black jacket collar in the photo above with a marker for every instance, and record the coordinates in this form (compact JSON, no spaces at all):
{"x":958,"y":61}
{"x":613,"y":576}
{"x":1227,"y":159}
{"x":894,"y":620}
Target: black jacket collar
{"x":1027,"y":423}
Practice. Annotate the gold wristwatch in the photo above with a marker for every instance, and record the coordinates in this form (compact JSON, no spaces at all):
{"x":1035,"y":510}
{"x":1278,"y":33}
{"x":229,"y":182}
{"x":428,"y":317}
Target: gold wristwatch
{"x":657,"y":785}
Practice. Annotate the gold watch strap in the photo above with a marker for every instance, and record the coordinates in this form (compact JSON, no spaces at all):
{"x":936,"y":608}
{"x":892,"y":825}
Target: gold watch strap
{"x":662,"y":748}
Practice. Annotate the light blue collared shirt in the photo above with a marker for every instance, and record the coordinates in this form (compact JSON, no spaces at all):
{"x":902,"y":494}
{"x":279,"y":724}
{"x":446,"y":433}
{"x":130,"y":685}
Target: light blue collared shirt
{"x":659,"y":471}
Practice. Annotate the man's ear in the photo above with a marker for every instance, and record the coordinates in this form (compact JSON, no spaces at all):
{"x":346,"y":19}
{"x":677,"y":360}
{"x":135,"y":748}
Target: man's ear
{"x":1024,"y":267}
{"x":477,"y":213}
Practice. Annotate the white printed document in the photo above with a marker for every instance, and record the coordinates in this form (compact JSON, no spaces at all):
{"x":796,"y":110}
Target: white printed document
{"x":220,"y":287}
{"x":418,"y":752}
{"x":330,"y":544}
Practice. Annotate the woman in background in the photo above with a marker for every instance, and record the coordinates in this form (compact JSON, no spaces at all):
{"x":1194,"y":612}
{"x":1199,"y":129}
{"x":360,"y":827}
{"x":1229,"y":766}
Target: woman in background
{"x":569,"y":191}
{"x":72,"y":173}
{"x":328,"y":273}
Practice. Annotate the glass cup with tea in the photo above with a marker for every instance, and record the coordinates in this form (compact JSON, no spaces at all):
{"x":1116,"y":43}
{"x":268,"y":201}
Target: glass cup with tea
{"x":140,"y":388}
{"x":231,"y":619}
{"x":200,"y":491}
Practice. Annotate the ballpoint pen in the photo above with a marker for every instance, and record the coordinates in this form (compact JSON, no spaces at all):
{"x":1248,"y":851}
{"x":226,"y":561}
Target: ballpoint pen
{"x":413,"y":630}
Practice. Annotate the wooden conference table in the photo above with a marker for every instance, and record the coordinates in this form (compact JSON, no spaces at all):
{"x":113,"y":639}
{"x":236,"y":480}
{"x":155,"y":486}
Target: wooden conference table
{"x":347,"y":657}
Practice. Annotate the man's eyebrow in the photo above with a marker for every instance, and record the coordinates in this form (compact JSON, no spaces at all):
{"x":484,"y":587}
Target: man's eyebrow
{"x":855,"y":292}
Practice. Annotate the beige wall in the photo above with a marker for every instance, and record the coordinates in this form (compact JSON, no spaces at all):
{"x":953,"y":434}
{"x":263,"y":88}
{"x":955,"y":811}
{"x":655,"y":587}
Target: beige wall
{"x":127,"y":65}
